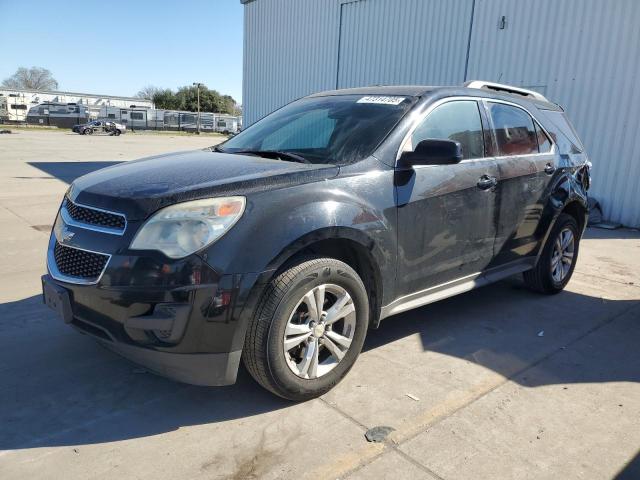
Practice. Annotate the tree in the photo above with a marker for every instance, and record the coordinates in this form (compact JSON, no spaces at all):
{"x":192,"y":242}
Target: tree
{"x":166,"y":99}
{"x":34,"y":78}
{"x":186,"y":98}
{"x":148,"y":92}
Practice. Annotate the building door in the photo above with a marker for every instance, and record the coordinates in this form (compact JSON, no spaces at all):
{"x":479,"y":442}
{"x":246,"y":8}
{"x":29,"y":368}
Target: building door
{"x":382,"y":43}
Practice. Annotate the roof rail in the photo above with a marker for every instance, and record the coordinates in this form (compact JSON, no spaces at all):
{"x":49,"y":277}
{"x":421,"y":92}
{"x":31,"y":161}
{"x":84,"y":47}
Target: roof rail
{"x":499,"y":87}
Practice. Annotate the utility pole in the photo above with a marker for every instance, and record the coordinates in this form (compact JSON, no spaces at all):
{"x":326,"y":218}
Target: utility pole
{"x":198,"y":85}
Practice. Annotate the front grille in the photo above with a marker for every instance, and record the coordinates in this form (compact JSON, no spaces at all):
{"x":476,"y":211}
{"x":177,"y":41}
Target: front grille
{"x":92,"y":216}
{"x":81,"y":264}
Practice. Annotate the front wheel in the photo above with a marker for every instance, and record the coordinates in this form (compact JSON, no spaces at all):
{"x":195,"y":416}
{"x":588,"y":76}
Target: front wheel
{"x":87,"y":131}
{"x":308,"y":329}
{"x":558,"y":259}
{"x":116,"y":133}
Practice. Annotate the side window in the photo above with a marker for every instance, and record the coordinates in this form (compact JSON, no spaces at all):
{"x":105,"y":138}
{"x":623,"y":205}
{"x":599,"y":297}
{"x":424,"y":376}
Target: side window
{"x":311,"y":130}
{"x":514,"y":130}
{"x":544,"y":144}
{"x":458,"y":121}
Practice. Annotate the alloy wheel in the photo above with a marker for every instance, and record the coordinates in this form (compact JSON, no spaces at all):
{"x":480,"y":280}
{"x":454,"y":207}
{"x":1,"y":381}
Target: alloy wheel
{"x":319,"y":331}
{"x":563,"y":253}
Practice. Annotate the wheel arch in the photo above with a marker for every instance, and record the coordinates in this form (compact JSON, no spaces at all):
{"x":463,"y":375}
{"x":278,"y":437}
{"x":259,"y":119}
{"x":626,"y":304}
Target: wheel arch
{"x":348,"y":245}
{"x":578,"y":211}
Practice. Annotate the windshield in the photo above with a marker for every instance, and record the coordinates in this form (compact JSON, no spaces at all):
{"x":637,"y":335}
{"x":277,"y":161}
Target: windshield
{"x":334,"y":129}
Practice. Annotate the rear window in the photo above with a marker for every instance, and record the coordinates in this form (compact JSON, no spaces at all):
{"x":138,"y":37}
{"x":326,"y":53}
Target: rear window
{"x":562,"y":132}
{"x":514,"y":130}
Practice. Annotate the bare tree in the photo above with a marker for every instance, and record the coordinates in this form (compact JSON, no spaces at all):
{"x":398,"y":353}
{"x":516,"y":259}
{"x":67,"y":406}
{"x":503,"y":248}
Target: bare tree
{"x":148,"y":92}
{"x":34,"y":78}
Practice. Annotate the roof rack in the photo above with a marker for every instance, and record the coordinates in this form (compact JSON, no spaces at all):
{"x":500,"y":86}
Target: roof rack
{"x":499,"y":87}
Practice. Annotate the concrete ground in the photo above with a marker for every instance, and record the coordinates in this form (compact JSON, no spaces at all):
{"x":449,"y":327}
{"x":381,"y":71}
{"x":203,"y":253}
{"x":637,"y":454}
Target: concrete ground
{"x":496,"y":383}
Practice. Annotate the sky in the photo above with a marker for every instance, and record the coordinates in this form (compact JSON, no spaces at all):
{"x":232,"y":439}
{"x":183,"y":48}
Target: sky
{"x":116,"y":47}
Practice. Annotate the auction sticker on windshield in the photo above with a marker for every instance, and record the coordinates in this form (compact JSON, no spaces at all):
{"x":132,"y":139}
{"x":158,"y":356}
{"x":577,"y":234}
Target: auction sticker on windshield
{"x":382,"y":100}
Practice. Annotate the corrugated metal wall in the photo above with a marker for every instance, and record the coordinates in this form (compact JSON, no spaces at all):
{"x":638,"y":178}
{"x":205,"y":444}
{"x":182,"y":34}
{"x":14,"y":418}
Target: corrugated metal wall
{"x":290,"y":50}
{"x":583,"y":54}
{"x":296,"y":47}
{"x":381,"y":43}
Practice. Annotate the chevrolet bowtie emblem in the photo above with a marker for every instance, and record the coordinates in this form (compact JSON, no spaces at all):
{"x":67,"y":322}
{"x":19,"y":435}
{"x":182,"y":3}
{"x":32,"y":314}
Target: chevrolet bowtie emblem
{"x":67,"y":234}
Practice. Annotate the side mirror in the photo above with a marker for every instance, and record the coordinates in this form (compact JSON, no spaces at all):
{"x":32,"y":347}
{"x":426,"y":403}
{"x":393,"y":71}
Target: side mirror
{"x":433,"y":152}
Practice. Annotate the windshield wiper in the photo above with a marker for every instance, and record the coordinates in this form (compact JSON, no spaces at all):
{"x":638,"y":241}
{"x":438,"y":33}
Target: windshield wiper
{"x":290,"y":156}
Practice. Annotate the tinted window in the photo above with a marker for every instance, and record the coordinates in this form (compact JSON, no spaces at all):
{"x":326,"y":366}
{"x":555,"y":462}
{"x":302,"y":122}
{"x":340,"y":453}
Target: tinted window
{"x":458,"y":121}
{"x":544,"y":144}
{"x":334,"y":129}
{"x":562,"y":132}
{"x":311,"y":130}
{"x":18,"y":107}
{"x":137,"y":116}
{"x":514,"y":130}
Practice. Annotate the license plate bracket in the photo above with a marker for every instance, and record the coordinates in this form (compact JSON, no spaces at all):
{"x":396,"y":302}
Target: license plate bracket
{"x":58,"y":299}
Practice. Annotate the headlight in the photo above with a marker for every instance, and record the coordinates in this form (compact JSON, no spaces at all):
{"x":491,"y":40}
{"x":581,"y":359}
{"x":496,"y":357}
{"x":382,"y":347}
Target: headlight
{"x":184,"y":228}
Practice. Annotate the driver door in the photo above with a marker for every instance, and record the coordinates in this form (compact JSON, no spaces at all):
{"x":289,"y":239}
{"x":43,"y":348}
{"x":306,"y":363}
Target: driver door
{"x":446,"y":213}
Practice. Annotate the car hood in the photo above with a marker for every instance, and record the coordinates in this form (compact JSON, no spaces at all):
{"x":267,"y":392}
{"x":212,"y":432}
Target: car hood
{"x":140,"y":187}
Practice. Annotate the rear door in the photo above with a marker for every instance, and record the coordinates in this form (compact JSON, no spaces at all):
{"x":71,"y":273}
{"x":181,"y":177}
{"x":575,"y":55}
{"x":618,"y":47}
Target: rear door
{"x":446,"y":213}
{"x":526,"y":163}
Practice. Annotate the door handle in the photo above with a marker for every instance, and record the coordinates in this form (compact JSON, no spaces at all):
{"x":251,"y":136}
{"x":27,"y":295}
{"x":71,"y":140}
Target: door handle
{"x":485,"y":182}
{"x":549,"y":168}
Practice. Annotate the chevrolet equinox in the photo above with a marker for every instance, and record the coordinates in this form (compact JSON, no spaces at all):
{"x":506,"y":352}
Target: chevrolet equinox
{"x":286,"y":243}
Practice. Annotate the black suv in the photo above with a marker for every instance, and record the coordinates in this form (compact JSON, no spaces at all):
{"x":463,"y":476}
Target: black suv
{"x":285,"y":244}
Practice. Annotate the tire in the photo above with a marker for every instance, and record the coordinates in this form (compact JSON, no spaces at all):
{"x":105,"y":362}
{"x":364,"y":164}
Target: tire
{"x":117,"y":133}
{"x":88,"y":131}
{"x":545,"y":277}
{"x":287,"y":309}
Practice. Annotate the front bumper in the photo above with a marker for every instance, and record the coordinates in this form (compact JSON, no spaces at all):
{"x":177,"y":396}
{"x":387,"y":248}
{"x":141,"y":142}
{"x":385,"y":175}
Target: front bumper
{"x":207,"y":369}
{"x":181,"y":318}
{"x":192,"y":334}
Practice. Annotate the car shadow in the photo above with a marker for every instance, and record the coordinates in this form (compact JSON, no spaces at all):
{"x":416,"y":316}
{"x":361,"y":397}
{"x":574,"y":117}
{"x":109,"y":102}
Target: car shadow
{"x":69,"y":171}
{"x":60,"y":388}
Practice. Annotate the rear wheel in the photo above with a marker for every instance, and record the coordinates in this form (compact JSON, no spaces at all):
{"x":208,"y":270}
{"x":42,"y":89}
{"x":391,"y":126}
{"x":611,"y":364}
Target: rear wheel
{"x":558,"y":259}
{"x":88,"y":131}
{"x":308,"y":329}
{"x":117,"y":132}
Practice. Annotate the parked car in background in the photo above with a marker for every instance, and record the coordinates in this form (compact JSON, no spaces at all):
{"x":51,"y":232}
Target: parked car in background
{"x":284,"y":245}
{"x":100,"y":126}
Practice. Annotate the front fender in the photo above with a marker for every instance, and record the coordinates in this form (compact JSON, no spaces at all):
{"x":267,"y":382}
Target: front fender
{"x":277,"y":223}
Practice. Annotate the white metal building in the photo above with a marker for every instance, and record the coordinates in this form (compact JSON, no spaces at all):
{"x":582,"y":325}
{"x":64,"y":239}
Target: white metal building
{"x":582,"y":54}
{"x":19,"y":101}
